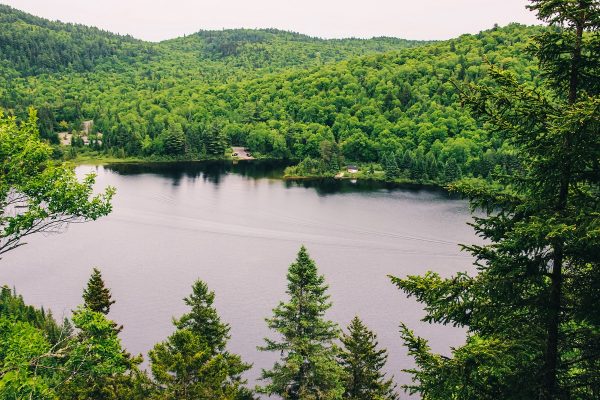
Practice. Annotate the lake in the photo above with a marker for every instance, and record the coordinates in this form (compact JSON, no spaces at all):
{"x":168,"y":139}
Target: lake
{"x":238,"y":227}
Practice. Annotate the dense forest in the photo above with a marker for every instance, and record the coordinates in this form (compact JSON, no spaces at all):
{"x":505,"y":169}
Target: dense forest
{"x":387,"y":103}
{"x":519,"y":104}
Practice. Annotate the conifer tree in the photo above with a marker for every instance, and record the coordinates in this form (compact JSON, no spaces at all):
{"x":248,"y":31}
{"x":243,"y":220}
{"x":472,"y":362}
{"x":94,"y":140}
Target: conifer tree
{"x":363,"y":362}
{"x":97,"y":298}
{"x":307,"y":369}
{"x":193,"y":362}
{"x":174,"y":139}
{"x":203,"y":318}
{"x":96,"y":295}
{"x":390,"y":167}
{"x":451,"y":170}
{"x":534,"y":331}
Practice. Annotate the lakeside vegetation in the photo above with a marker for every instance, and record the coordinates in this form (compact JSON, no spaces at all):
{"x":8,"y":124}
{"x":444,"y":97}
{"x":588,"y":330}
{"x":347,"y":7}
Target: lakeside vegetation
{"x":282,"y":95}
{"x":525,"y":151}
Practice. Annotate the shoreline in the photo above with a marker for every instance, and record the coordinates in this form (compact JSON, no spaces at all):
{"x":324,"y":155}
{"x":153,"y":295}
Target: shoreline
{"x":105,"y":161}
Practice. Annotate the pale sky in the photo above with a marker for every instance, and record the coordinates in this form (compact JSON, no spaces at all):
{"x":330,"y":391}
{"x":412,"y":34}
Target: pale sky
{"x":157,"y":20}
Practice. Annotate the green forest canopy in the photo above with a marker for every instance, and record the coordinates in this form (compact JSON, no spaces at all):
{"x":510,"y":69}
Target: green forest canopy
{"x":282,"y":94}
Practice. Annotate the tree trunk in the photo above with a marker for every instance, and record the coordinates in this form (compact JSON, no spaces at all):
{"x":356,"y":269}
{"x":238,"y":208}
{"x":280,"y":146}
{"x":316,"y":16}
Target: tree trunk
{"x":549,"y":379}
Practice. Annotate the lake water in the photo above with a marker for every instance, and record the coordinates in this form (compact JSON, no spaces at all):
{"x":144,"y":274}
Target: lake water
{"x":238,"y":228}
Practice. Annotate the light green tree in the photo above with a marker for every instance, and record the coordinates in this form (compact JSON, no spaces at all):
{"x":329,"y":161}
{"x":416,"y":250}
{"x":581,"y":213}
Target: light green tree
{"x":37,"y":194}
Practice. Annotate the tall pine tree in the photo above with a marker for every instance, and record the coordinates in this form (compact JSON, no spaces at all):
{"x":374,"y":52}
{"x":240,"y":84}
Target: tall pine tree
{"x":363,"y":362}
{"x":307,"y":369}
{"x":534,"y":329}
{"x":193,"y":362}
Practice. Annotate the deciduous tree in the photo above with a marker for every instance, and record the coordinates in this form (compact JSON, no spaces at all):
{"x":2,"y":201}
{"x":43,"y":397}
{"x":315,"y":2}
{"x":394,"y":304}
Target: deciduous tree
{"x":38,"y":195}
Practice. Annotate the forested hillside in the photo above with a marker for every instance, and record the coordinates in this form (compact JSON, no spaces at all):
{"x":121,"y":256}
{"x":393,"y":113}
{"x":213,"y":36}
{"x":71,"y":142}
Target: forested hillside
{"x":282,"y":94}
{"x":31,"y":45}
{"x":272,"y":49}
{"x":508,"y":118}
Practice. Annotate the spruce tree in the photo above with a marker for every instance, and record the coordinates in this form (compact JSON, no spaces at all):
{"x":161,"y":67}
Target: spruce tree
{"x":363,"y":362}
{"x":174,"y":139}
{"x":307,"y":368}
{"x":97,"y":298}
{"x":390,"y":167}
{"x":193,"y":362}
{"x":96,"y":295}
{"x":203,"y":318}
{"x":452,"y":170}
{"x":531,"y":311}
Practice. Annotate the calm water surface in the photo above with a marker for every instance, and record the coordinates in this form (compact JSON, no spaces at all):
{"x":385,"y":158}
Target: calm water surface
{"x":238,"y":228}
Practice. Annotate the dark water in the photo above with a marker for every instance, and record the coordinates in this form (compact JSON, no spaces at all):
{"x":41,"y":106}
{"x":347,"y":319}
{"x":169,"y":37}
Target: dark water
{"x":238,"y":228}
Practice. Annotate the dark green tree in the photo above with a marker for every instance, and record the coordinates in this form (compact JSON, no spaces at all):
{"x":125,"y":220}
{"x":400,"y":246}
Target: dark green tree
{"x":96,"y":295}
{"x":363,"y":362}
{"x":174,"y":139}
{"x":534,"y":331}
{"x":330,"y":155}
{"x":390,"y":167}
{"x":193,"y":362}
{"x":308,"y":368}
{"x":132,"y":382}
{"x":407,"y":162}
{"x":452,"y":170}
{"x":215,"y":140}
{"x":203,"y":318}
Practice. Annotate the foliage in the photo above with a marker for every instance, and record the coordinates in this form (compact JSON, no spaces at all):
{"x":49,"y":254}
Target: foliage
{"x":39,"y":359}
{"x":36,"y":194}
{"x":363,"y":361}
{"x":193,"y":362}
{"x":279,"y":93}
{"x":308,"y":368}
{"x":96,"y":295}
{"x":95,"y":356}
{"x":533,"y":329}
{"x":33,"y":45}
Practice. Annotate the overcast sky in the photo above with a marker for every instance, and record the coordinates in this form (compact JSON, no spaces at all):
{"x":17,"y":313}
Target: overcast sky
{"x":165,"y":19}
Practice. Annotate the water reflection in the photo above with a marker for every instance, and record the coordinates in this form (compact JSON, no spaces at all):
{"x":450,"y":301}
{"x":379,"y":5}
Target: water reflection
{"x":209,"y":171}
{"x":214,"y":171}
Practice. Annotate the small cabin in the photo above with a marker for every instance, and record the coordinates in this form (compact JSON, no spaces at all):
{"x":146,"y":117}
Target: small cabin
{"x":352,"y":169}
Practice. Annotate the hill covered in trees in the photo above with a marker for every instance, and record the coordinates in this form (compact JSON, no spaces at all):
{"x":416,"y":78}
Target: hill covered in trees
{"x":30,"y":45}
{"x":390,"y":103}
{"x":529,"y":311}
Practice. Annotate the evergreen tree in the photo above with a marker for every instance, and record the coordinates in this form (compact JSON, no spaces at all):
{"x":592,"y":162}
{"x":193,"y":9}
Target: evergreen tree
{"x":308,"y":368}
{"x":452,"y":171}
{"x":203,"y":318}
{"x":363,"y":362}
{"x":193,"y":362}
{"x":330,"y":155}
{"x":215,"y":140}
{"x":418,"y":171}
{"x":96,"y":295}
{"x":174,"y":139}
{"x":97,"y":298}
{"x":531,"y":311}
{"x":431,"y":166}
{"x":390,"y":167}
{"x":407,"y":162}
